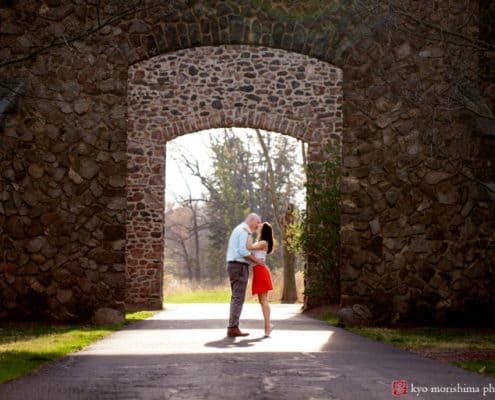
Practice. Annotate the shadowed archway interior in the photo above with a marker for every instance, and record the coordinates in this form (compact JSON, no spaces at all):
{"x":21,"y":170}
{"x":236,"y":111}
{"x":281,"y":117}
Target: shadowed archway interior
{"x":210,"y":87}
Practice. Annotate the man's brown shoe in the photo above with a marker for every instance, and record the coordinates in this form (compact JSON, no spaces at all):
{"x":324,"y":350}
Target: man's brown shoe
{"x":235,"y":332}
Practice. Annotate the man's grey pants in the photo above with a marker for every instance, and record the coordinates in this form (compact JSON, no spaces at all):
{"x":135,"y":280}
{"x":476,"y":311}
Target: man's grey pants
{"x":239,"y":275}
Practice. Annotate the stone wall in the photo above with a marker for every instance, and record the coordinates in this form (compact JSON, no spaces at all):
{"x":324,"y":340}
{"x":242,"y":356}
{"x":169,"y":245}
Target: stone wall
{"x":417,"y":229}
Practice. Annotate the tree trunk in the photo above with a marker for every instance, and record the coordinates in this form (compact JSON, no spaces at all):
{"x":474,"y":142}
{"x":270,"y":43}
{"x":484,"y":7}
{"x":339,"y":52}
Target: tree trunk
{"x":187,"y":261}
{"x":289,"y":292}
{"x":197,"y":266}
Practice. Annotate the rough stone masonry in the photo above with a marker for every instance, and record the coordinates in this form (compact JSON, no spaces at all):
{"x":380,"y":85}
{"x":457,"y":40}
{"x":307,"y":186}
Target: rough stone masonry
{"x":417,"y":225}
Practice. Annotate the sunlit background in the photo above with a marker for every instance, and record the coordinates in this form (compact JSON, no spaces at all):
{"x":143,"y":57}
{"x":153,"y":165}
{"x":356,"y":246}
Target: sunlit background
{"x":214,"y":178}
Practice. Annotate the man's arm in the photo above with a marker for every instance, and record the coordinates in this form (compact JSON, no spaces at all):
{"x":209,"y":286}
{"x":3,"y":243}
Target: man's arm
{"x":243,"y":251}
{"x":259,"y":245}
{"x":255,"y":260}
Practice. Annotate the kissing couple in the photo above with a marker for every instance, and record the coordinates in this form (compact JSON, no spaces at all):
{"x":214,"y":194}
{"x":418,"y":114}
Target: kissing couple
{"x":241,"y":252}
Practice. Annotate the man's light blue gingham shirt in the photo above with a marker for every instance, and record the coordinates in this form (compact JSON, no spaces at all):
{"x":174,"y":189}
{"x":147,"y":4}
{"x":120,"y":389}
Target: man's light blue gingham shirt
{"x":237,"y":250}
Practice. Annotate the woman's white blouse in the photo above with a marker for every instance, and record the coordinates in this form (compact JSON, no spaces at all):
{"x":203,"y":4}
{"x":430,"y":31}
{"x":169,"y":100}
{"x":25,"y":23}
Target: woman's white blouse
{"x":260,"y":254}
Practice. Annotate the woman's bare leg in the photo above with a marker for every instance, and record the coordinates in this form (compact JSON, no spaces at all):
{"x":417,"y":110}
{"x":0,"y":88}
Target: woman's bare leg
{"x":265,"y":308}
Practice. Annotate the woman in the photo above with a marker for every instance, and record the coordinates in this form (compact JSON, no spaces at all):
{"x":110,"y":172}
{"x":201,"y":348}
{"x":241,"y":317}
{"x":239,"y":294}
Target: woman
{"x":262,"y":280}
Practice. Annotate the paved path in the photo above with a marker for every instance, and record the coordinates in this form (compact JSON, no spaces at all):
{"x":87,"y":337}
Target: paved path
{"x":182,"y":353}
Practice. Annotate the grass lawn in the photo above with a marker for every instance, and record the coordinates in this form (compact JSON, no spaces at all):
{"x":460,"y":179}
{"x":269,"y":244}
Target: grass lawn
{"x":485,"y":367}
{"x":440,"y":343}
{"x":27,"y":346}
{"x":328,"y":316}
{"x":431,"y":338}
{"x":203,"y":296}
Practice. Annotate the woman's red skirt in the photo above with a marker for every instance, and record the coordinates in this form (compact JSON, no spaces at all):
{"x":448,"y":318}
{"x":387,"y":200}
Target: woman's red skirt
{"x":262,"y":279}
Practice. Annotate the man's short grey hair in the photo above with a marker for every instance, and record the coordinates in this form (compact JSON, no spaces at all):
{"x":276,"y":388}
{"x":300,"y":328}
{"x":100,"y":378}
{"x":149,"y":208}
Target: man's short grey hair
{"x":253,"y":216}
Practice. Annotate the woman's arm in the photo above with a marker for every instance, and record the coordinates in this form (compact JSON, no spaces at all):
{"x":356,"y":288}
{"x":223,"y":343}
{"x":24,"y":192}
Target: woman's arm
{"x":249,"y":243}
{"x":259,"y":245}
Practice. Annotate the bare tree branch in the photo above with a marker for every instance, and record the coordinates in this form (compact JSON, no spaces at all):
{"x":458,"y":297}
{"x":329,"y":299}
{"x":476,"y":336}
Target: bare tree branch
{"x":57,"y":42}
{"x":480,"y":44}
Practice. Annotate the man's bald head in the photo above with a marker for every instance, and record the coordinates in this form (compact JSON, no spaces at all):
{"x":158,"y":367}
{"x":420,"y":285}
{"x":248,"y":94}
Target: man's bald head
{"x":253,"y":220}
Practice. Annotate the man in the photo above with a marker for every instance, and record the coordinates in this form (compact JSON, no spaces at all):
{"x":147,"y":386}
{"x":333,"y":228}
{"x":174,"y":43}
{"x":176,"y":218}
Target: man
{"x":238,"y":257}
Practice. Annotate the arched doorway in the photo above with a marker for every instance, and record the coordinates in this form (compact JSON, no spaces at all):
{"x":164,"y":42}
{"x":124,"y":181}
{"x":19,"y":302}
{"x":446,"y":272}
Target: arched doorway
{"x":209,"y":87}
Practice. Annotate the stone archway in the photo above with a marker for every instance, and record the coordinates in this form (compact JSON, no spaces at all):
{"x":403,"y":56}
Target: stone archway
{"x":417,"y":236}
{"x":210,"y":87}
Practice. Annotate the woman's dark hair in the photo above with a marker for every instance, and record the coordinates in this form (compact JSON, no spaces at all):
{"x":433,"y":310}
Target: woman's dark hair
{"x":267,"y":234}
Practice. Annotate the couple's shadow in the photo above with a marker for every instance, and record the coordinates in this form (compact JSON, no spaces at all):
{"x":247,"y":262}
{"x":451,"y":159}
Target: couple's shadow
{"x":231,"y":342}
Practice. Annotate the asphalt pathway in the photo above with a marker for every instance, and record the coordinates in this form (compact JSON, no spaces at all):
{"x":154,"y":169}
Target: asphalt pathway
{"x":183,"y":353}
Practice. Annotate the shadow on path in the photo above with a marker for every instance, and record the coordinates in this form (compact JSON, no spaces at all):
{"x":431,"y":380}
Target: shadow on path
{"x":230,"y":343}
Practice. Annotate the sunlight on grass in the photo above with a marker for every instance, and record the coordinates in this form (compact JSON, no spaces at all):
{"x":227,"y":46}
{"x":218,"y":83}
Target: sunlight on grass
{"x":26,"y":347}
{"x":182,"y":291}
{"x":133,"y":316}
{"x":201,"y":296}
{"x":330,"y":317}
{"x":207,"y":296}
